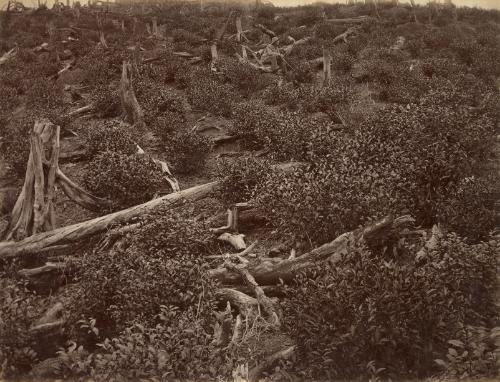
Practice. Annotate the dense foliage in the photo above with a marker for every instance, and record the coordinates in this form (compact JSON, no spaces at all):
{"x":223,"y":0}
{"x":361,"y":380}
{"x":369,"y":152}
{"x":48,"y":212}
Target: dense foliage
{"x":404,"y":316}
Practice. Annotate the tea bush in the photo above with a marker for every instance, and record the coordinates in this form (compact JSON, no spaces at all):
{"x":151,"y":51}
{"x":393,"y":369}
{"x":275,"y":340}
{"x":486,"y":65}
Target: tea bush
{"x":187,"y":151}
{"x":206,"y":92}
{"x":241,"y":178}
{"x":126,"y":180}
{"x":243,"y":77}
{"x":108,"y":136}
{"x":160,"y":263}
{"x":19,"y":308}
{"x":397,"y":314}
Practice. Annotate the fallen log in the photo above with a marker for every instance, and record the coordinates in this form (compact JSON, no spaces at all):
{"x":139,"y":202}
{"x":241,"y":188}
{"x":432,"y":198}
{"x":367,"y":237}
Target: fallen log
{"x":353,"y":20}
{"x":76,"y":232}
{"x":270,"y":272}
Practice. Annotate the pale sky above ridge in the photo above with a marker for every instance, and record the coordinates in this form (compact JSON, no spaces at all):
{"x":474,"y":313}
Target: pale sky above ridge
{"x":470,"y":3}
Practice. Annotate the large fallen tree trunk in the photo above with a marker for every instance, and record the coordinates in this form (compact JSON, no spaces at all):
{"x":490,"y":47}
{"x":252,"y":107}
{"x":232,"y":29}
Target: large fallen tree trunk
{"x":76,"y":232}
{"x":270,"y":272}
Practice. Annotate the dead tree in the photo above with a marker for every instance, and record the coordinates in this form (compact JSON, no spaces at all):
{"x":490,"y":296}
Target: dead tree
{"x":130,"y":106}
{"x":33,"y":211}
{"x":327,"y":69}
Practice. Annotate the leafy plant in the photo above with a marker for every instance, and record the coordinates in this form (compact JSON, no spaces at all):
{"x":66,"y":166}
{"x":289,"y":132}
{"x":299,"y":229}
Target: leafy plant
{"x":124,"y":179}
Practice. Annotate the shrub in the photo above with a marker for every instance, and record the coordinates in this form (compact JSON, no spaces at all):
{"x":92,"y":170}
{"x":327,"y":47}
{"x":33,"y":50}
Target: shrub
{"x":107,"y":102}
{"x":161,"y":263}
{"x":328,"y":31}
{"x":108,"y":136}
{"x":241,"y":178}
{"x":343,"y":61}
{"x":19,"y":309}
{"x":302,"y":72}
{"x":168,"y":124}
{"x":396,"y":315}
{"x":124,"y":179}
{"x":187,"y":151}
{"x":246,"y":79}
{"x":469,"y":208}
{"x":206,"y":93}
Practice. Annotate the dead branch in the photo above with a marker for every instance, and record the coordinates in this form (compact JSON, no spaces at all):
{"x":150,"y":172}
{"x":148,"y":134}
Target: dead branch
{"x":8,"y":55}
{"x":48,"y":268}
{"x":267,"y":304}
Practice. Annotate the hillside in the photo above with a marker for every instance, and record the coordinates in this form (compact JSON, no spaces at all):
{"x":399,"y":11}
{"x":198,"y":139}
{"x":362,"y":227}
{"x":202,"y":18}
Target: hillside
{"x":249,"y":194}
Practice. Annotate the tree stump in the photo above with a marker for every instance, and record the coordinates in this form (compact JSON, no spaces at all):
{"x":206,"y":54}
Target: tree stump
{"x":33,"y":211}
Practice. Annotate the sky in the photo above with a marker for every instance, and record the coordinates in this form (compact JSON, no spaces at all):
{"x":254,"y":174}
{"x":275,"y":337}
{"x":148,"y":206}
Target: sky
{"x":469,"y":3}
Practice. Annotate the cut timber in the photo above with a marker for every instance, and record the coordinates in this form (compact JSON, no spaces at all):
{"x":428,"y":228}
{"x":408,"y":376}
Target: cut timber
{"x":8,"y":55}
{"x":77,"y":232}
{"x":131,"y":108}
{"x":270,"y":273}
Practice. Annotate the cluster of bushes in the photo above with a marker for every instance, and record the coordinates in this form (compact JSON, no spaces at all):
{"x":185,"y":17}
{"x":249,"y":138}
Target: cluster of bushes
{"x":206,"y":92}
{"x":125,"y":180}
{"x":169,"y":333}
{"x":382,"y":315}
{"x":19,"y":308}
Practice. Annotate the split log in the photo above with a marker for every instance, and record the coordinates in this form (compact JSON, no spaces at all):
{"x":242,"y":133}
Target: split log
{"x":8,"y":55}
{"x":76,"y":232}
{"x":238,"y":29}
{"x":133,"y":111}
{"x":270,"y":273}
